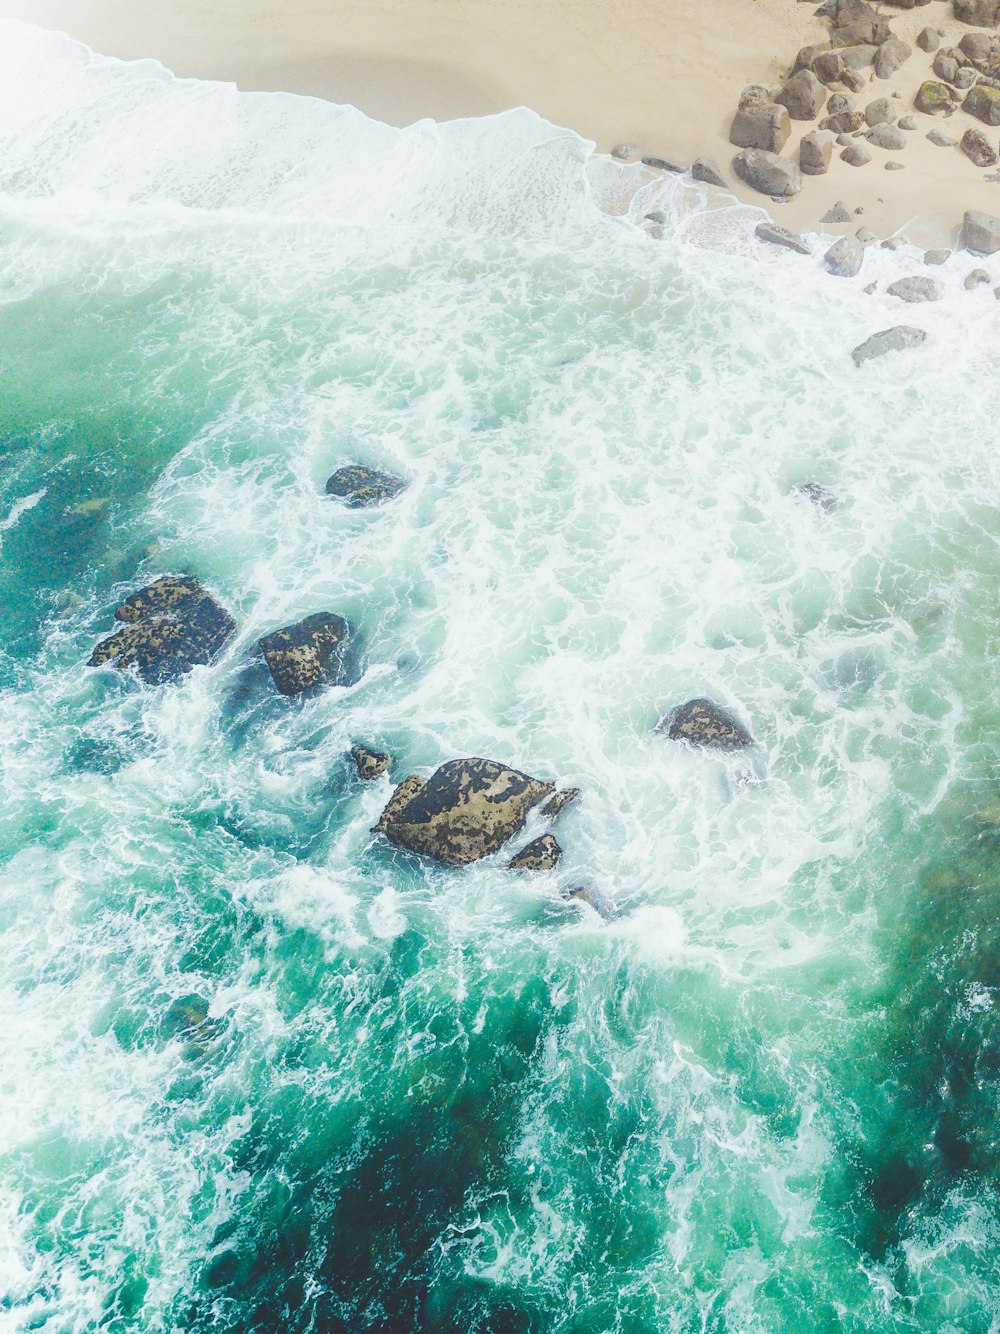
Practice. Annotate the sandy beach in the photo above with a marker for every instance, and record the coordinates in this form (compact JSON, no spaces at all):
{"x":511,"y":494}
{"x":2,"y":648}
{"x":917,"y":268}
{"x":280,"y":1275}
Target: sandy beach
{"x":664,"y":75}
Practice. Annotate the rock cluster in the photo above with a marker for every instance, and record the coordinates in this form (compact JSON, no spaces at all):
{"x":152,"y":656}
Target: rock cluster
{"x":168,"y":627}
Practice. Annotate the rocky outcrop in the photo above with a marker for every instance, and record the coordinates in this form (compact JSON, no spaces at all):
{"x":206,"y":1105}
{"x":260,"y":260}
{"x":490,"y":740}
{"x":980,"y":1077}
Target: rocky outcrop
{"x":915,"y":290}
{"x":701,"y":722}
{"x":781,"y":236}
{"x":768,"y":173}
{"x":556,"y":804}
{"x":981,"y":233}
{"x":845,"y":257}
{"x":897,"y":339}
{"x":466,"y":810}
{"x":168,"y":627}
{"x":543,"y":854}
{"x":370,"y":764}
{"x":359,"y":487}
{"x":307,"y":654}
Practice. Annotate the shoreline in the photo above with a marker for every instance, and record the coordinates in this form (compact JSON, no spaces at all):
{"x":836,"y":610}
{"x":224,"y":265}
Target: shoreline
{"x":649,"y":74}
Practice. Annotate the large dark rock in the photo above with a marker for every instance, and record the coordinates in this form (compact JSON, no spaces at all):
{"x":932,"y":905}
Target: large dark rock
{"x":466,"y":810}
{"x":310,"y":653}
{"x":760,"y":123}
{"x":169,"y":627}
{"x":768,"y":173}
{"x":897,"y":339}
{"x":704,"y":723}
{"x":815,"y":152}
{"x":357,"y":486}
{"x":543,"y":854}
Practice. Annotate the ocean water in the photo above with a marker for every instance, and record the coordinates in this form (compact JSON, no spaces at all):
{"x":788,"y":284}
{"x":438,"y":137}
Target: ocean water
{"x":756,"y":1089}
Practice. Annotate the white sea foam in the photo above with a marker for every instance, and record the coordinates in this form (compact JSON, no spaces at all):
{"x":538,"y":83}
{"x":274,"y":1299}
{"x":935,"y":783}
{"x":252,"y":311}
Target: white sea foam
{"x":603,"y":435}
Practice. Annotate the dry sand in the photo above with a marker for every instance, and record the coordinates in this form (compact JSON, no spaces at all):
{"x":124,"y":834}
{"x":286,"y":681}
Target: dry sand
{"x":665,"y":74}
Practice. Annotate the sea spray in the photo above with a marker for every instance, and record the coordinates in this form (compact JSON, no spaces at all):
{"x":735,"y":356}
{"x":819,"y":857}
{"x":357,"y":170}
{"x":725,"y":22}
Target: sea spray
{"x":757,"y":1092}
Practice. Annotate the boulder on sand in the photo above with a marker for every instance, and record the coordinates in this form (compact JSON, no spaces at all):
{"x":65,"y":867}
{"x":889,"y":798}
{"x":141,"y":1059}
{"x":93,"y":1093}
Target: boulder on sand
{"x":358,"y":486}
{"x":760,"y":123}
{"x":815,"y":152}
{"x":802,"y":96}
{"x":701,"y":722}
{"x":978,"y":149}
{"x":466,"y":810}
{"x":768,"y":173}
{"x":308,"y":653}
{"x":169,"y":626}
{"x":978,"y":13}
{"x":707,"y":169}
{"x":935,"y":99}
{"x":983,"y":102}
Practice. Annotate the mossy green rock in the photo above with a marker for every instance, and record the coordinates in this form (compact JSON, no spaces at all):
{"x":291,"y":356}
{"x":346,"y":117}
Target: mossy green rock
{"x":466,"y":810}
{"x":307,"y":654}
{"x":934,"y":98}
{"x":170,"y":626}
{"x":983,"y":102}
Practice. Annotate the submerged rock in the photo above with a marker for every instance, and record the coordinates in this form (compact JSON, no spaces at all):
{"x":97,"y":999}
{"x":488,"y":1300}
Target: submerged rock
{"x":897,"y":339}
{"x":701,"y":722}
{"x":820,"y":496}
{"x":370,"y":764}
{"x":542,"y":854}
{"x":308,"y":653}
{"x":625,"y":152}
{"x":976,"y":279}
{"x":466,"y":810}
{"x":170,"y":626}
{"x":358,"y":486}
{"x":187,"y":1017}
{"x":555,"y":806}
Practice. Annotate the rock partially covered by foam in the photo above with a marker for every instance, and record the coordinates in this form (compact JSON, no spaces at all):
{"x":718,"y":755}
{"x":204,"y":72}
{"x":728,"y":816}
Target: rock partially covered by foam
{"x":981,"y":233}
{"x":897,"y":339}
{"x":370,"y":764}
{"x":702,"y":722}
{"x":359,"y":487}
{"x":466,"y":810}
{"x":543,"y":854}
{"x":307,"y":654}
{"x":170,"y":626}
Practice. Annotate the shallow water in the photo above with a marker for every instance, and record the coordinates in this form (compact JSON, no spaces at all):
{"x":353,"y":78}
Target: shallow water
{"x":759,"y":1091}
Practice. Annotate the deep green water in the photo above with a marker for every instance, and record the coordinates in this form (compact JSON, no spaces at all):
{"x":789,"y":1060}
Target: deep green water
{"x":758,"y":1092}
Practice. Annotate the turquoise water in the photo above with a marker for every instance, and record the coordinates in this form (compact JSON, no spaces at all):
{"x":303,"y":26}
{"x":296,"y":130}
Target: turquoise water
{"x":758,"y":1090}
